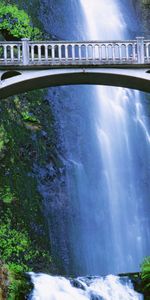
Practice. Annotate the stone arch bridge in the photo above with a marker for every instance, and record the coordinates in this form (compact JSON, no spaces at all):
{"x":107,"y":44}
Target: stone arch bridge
{"x":26,"y":65}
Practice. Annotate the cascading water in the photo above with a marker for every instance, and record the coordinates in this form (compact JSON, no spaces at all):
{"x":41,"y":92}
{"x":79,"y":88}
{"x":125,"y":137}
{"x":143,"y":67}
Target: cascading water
{"x":106,"y":153}
{"x":111,"y":230}
{"x":59,"y":288}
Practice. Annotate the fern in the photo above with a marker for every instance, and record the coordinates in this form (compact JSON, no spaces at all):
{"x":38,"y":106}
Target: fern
{"x":145,"y":274}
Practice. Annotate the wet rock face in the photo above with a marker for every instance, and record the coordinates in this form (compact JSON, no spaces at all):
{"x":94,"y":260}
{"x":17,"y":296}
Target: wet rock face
{"x":58,"y":16}
{"x":145,"y":7}
{"x":142,"y":9}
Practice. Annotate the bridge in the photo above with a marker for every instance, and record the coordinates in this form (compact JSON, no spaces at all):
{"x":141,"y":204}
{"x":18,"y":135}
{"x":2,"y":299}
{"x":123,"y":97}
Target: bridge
{"x":26,"y":65}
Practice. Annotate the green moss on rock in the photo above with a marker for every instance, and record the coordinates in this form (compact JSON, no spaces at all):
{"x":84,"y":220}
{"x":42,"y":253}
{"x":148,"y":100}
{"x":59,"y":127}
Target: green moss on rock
{"x":24,"y":233}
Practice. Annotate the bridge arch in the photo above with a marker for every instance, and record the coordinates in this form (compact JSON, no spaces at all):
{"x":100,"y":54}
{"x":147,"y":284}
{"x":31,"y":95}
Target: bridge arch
{"x":33,"y":79}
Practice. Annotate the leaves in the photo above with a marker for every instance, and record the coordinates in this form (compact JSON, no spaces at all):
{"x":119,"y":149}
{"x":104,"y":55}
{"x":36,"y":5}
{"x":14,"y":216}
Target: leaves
{"x":17,"y":22}
{"x":145,"y":273}
{"x":6,"y":195}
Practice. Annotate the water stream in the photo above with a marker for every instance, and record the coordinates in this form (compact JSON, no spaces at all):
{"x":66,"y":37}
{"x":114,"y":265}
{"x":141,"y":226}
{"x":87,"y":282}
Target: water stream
{"x":107,"y":141}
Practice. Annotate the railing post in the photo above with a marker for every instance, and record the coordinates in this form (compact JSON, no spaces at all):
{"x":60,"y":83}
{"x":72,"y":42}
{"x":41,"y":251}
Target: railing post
{"x":140,"y":50}
{"x":25,"y":51}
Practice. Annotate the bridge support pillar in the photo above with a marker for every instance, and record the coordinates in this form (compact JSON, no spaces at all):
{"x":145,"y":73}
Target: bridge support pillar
{"x":140,"y":50}
{"x":25,"y":51}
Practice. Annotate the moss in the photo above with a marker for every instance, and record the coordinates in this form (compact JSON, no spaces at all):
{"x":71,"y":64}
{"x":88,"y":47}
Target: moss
{"x":6,"y":195}
{"x":16,"y":245}
{"x":14,"y":284}
{"x":27,"y":139}
{"x":24,"y":233}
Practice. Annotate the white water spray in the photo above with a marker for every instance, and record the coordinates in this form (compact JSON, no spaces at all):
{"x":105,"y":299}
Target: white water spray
{"x":59,"y":288}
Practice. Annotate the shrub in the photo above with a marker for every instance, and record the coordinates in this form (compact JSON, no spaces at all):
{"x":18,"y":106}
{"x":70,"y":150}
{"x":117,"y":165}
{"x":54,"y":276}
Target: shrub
{"x":16,"y":24}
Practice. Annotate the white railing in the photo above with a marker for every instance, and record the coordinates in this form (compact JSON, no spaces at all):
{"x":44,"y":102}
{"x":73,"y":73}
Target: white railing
{"x":53,"y":53}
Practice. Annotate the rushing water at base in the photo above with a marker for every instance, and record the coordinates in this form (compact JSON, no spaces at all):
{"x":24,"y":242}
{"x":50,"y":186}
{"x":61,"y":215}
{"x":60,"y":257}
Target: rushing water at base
{"x":59,"y":288}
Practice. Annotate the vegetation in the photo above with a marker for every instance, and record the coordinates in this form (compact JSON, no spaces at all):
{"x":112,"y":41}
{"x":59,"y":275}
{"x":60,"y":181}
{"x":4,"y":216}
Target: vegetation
{"x":145,"y":275}
{"x":16,"y":246}
{"x":27,"y":142}
{"x":19,"y":287}
{"x":16,"y":24}
{"x":24,"y":235}
{"x":14,"y":284}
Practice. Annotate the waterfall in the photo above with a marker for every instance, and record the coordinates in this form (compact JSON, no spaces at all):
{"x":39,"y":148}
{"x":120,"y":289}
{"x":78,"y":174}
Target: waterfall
{"x":98,"y":213}
{"x":101,"y":225}
{"x":108,"y":177}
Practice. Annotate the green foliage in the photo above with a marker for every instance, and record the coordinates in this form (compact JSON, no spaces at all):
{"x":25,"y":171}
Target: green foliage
{"x":16,"y":23}
{"x":23,"y":233}
{"x":145,"y":274}
{"x":19,"y":287}
{"x":16,"y":247}
{"x":29,"y":117}
{"x":3,"y":138}
{"x":6,"y":195}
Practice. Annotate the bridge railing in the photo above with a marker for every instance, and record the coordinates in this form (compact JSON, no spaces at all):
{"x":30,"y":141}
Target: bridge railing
{"x":27,"y":52}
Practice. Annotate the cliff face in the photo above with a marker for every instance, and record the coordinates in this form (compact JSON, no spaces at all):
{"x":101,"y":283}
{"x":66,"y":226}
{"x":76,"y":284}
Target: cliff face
{"x":27,"y":145}
{"x":31,"y":169}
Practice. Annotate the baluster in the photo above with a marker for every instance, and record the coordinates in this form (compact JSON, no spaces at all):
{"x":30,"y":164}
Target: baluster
{"x":59,"y":52}
{"x":100,"y":52}
{"x":46,"y":52}
{"x":19,"y":53}
{"x":73,"y":52}
{"x":32,"y":52}
{"x":66,"y":52}
{"x":147,"y":52}
{"x":53,"y":52}
{"x":79,"y":52}
{"x":12,"y":52}
{"x":106,"y":52}
{"x":86,"y":52}
{"x":39,"y":53}
{"x":134,"y":54}
{"x":120,"y":53}
{"x":5,"y":53}
{"x":113,"y":52}
{"x":93,"y":51}
{"x":127,"y":52}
